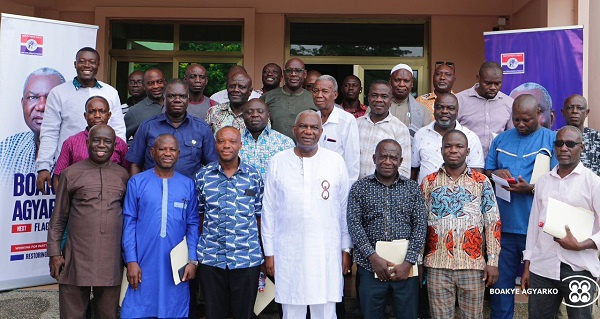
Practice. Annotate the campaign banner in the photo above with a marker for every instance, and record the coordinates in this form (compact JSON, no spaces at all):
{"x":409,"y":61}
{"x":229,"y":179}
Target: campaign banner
{"x":35,"y":56}
{"x":544,"y":62}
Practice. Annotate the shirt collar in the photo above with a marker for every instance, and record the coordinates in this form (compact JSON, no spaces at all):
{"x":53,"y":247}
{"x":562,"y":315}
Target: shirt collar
{"x":334,"y":117}
{"x":388,"y":118}
{"x":242,"y":167}
{"x":467,"y":171}
{"x":373,"y":177}
{"x":164,"y":117}
{"x":266,"y":132}
{"x":78,"y":84}
{"x":577,"y":170}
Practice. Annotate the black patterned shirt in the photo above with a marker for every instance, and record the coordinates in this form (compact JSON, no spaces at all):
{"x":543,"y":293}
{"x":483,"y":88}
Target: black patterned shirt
{"x":591,"y":156}
{"x":378,"y":212}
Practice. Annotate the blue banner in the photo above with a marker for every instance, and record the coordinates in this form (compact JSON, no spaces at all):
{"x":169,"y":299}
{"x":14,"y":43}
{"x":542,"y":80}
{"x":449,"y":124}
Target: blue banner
{"x":546,"y":62}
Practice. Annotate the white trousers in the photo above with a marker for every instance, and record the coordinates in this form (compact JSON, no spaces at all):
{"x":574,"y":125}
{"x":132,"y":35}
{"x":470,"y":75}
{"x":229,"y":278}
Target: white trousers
{"x":321,"y":311}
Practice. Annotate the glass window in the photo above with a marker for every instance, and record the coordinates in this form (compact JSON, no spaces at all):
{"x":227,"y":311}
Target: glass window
{"x":217,"y":75}
{"x":142,"y":36}
{"x":124,"y":68}
{"x":357,"y":39}
{"x":211,"y":37}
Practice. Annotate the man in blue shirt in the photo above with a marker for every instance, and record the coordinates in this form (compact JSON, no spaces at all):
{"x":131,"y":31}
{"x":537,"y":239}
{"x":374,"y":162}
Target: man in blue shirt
{"x":513,"y":154}
{"x":196,"y":141}
{"x":159,"y":211}
{"x":229,"y":253}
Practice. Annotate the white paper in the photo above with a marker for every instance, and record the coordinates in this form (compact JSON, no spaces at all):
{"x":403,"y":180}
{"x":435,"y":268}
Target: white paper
{"x":124,"y":286}
{"x":395,"y":252}
{"x":540,"y":168}
{"x":179,"y":258}
{"x":559,"y":214}
{"x":500,"y":191}
{"x":263,"y":299}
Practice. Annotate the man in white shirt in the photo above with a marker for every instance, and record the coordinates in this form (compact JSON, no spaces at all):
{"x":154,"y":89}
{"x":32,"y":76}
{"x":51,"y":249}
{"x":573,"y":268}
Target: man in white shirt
{"x":304,"y":231}
{"x":340,"y":131}
{"x":566,"y":265}
{"x":65,"y":107}
{"x":427,"y":143}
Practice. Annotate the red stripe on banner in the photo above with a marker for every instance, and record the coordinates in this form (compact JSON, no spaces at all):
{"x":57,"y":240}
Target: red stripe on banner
{"x":21,"y":228}
{"x":27,"y":247}
{"x":37,"y":38}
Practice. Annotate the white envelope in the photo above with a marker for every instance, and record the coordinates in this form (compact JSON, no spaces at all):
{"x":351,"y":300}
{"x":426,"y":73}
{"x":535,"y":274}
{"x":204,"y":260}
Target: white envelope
{"x":559,"y":214}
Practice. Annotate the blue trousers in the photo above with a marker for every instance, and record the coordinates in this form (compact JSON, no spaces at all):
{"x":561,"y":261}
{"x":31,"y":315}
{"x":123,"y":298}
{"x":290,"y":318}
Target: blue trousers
{"x":373,"y":295}
{"x":511,"y":254}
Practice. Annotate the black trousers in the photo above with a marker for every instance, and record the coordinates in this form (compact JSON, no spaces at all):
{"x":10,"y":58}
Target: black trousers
{"x":229,"y":291}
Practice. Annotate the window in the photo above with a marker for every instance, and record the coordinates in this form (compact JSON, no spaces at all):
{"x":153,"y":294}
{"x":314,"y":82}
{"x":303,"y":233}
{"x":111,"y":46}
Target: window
{"x":171,"y":47}
{"x":367,"y":49}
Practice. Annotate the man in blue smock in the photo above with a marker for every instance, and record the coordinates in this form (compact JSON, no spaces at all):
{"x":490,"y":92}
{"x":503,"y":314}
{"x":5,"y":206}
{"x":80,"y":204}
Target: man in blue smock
{"x":159,"y":211}
{"x":196,"y":140}
{"x":513,"y":154}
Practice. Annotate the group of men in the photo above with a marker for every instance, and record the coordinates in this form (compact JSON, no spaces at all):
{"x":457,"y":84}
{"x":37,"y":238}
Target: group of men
{"x":296,"y":185}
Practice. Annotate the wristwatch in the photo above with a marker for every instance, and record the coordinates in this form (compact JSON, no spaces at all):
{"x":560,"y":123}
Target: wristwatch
{"x":193,"y":262}
{"x":347,"y":250}
{"x":533,"y":190}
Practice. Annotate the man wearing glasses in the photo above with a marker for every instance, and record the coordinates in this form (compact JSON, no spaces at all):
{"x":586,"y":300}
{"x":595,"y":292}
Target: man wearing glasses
{"x":565,"y":265}
{"x":196,"y":141}
{"x":512,"y":156}
{"x":443,"y":81}
{"x":18,"y":152}
{"x":154,"y":86}
{"x":291,"y":99}
{"x":135,"y":88}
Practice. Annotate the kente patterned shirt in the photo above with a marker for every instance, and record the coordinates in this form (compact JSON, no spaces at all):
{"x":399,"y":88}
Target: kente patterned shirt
{"x":258,"y":153}
{"x":379,"y":212}
{"x":458,"y":213}
{"x":221,"y":115}
{"x":230,"y":206}
{"x":590,"y":157}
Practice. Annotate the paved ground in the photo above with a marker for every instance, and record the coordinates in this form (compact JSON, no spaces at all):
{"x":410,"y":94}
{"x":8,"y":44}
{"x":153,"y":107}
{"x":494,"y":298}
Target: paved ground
{"x":42,"y":303}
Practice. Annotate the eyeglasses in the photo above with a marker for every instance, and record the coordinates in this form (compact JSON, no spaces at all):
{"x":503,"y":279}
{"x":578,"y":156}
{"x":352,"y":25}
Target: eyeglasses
{"x":290,"y":71}
{"x":570,"y":144}
{"x":448,"y":63}
{"x":135,"y":83}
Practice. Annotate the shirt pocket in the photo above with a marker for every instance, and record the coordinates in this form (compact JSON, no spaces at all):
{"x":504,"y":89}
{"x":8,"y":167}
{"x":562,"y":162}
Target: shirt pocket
{"x":192,"y":148}
{"x":245,"y":201}
{"x":87,"y":195}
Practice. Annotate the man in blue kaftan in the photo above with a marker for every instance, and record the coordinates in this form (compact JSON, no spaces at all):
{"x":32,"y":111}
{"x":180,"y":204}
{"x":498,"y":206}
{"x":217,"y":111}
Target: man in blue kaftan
{"x":160,"y":210}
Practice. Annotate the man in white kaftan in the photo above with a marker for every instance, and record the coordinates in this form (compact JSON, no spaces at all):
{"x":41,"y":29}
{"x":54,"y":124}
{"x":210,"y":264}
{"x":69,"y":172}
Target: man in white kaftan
{"x":304,"y":231}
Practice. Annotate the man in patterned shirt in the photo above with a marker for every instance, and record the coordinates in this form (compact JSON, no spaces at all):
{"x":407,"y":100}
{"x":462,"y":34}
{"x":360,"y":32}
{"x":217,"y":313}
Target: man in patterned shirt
{"x":239,"y":87}
{"x":386,"y":206}
{"x":460,"y":206}
{"x":229,"y":253}
{"x":259,"y":141}
{"x":575,"y":110}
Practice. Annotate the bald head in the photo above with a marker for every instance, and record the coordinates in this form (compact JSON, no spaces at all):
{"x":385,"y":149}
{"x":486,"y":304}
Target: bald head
{"x":228,"y":143}
{"x":101,"y":143}
{"x":525,"y":114}
{"x":163,"y":139}
{"x":526,"y":102}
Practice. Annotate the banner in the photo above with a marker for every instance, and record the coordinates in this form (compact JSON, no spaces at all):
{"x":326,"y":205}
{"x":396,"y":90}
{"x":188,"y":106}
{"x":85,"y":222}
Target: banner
{"x":545,"y":62}
{"x":35,"y":56}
